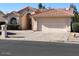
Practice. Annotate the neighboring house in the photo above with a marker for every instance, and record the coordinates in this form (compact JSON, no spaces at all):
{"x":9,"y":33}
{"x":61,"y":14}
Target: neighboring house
{"x":53,"y":20}
{"x":2,"y":19}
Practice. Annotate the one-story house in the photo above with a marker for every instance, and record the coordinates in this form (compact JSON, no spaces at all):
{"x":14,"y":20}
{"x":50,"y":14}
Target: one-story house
{"x":45,"y":20}
{"x":53,"y":20}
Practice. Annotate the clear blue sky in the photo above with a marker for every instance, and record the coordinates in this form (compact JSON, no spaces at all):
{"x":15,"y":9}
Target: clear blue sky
{"x":8,"y":7}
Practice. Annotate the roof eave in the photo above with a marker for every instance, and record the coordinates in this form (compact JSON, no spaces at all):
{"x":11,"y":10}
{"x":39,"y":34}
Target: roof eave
{"x":55,"y":16}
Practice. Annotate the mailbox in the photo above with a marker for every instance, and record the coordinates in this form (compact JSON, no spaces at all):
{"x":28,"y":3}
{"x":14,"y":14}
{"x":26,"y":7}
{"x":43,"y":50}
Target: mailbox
{"x":3,"y":31}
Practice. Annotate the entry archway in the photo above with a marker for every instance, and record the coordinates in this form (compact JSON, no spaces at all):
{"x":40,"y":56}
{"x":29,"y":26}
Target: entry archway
{"x":29,"y":21}
{"x":13,"y":21}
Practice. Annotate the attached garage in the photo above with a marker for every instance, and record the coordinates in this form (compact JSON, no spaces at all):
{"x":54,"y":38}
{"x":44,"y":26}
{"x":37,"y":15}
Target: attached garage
{"x":53,"y":24}
{"x":50,"y":22}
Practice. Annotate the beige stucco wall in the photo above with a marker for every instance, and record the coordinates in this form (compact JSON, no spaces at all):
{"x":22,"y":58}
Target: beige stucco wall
{"x":23,"y":22}
{"x":12,"y":15}
{"x":52,"y":24}
{"x":34,"y":24}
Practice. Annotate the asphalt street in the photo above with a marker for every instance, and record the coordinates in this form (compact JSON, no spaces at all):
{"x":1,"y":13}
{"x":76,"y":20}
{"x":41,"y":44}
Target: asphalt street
{"x":30,"y":48}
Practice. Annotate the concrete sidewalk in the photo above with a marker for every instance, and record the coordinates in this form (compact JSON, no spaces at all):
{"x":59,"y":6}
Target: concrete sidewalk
{"x":53,"y":41}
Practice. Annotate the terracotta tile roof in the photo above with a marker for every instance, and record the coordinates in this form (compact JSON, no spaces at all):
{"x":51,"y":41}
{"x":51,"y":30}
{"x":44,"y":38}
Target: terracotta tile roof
{"x":55,"y":13}
{"x":13,"y":12}
{"x":41,"y":10}
{"x":26,"y":9}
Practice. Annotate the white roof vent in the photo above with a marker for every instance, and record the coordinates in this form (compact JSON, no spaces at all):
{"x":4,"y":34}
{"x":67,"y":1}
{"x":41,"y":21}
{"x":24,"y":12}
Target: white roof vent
{"x":33,"y":13}
{"x":67,"y":8}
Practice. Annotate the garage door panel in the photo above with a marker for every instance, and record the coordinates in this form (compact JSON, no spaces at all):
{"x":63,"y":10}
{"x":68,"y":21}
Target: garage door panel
{"x":51,"y":24}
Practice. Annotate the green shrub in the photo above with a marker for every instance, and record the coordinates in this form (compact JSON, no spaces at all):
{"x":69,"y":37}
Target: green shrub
{"x":75,"y":27}
{"x":13,"y":27}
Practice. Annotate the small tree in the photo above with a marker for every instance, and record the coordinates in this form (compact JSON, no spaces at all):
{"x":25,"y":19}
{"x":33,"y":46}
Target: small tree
{"x":75,"y":19}
{"x":72,"y":6}
{"x":40,"y":6}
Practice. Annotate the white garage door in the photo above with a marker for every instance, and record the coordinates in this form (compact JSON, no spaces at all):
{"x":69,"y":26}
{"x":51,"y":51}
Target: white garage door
{"x":51,"y":24}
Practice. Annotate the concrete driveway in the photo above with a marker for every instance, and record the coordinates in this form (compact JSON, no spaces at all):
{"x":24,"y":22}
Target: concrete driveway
{"x":41,"y":36}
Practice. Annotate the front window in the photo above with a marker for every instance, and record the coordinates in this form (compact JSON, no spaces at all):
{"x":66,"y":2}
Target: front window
{"x":13,"y":21}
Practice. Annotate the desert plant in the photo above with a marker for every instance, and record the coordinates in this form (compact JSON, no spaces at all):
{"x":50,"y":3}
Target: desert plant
{"x":75,"y":27}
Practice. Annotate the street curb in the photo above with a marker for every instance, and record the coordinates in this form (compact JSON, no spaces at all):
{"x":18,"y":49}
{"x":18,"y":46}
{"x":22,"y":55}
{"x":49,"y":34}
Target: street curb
{"x":54,"y":41}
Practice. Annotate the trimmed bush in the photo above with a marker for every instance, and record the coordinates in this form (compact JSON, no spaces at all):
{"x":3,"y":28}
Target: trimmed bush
{"x":13,"y":27}
{"x":75,"y":27}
